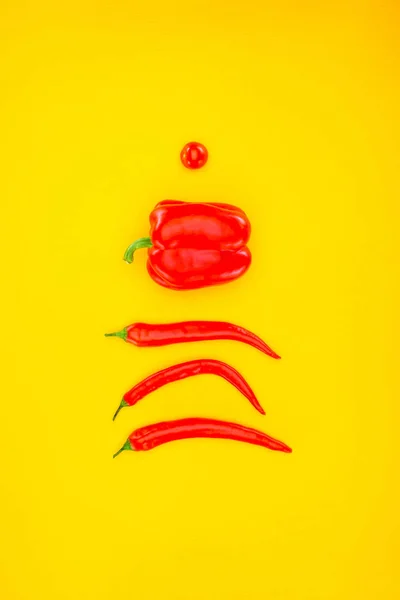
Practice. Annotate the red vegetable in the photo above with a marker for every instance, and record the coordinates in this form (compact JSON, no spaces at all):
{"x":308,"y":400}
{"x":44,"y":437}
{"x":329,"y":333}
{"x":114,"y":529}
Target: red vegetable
{"x":152,"y":436}
{"x":189,"y":369}
{"x":195,"y":245}
{"x":145,"y":334}
{"x":194,"y":155}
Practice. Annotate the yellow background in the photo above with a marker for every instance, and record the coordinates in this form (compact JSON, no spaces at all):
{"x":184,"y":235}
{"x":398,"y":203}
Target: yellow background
{"x":297,"y":103}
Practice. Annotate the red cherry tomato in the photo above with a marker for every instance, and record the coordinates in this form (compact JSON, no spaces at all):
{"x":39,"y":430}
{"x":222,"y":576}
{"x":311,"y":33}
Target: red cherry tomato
{"x":194,"y":155}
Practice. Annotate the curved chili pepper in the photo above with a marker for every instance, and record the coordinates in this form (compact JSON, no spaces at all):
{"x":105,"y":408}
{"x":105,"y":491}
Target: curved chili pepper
{"x":151,"y":436}
{"x":193,"y":245}
{"x":145,"y":334}
{"x":189,"y":369}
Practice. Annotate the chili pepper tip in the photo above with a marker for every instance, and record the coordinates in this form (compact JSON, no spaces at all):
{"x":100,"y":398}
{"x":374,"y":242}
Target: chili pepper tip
{"x":126,"y":446}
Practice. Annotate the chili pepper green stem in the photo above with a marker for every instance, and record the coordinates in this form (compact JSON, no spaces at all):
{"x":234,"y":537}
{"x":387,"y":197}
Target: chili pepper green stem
{"x":144,"y":242}
{"x":126,"y":446}
{"x":121,"y":334}
{"x":123,"y":403}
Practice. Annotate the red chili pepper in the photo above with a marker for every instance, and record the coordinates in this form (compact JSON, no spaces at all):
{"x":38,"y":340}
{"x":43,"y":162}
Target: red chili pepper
{"x":195,"y":245}
{"x":189,"y":369}
{"x":151,"y":436}
{"x":194,"y":155}
{"x":145,"y":334}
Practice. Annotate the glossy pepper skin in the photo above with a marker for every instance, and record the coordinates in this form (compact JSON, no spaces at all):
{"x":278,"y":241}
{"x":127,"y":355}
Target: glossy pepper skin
{"x":189,"y":369}
{"x":151,"y":436}
{"x":194,"y":245}
{"x":163,"y":334}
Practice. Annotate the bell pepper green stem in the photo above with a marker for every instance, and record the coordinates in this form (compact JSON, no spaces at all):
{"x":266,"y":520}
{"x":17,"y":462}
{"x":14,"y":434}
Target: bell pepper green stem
{"x":144,"y":242}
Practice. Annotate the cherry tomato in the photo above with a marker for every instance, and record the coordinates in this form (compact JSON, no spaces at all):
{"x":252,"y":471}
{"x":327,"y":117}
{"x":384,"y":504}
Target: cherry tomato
{"x":194,"y":155}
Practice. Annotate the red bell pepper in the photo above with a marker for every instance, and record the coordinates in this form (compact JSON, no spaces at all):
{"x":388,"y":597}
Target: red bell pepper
{"x":195,"y":245}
